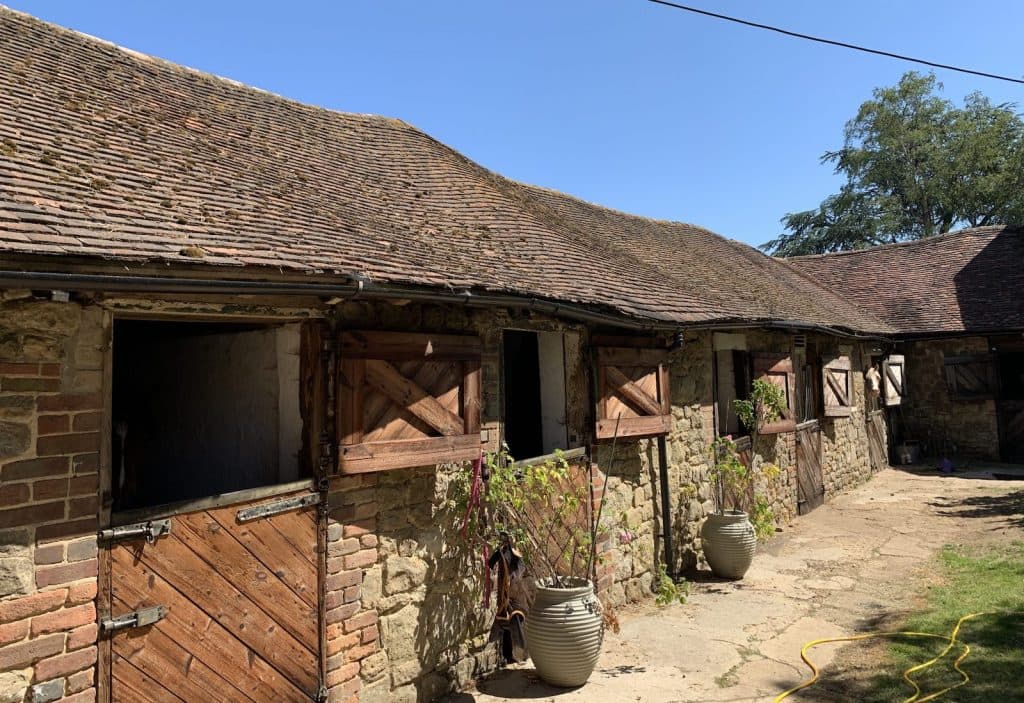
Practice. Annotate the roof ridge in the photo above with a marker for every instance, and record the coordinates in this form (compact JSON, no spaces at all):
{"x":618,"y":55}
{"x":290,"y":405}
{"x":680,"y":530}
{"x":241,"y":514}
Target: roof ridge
{"x":922,"y":241}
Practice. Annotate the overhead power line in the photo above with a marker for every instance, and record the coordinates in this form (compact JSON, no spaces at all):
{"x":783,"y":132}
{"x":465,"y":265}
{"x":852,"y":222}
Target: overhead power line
{"x":833,"y":42}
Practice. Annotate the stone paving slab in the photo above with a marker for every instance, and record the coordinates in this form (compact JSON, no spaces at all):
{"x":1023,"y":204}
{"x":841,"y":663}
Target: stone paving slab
{"x":846,"y":564}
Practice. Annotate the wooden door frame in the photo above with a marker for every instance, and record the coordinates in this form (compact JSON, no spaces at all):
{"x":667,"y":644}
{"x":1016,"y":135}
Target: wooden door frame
{"x":318,"y":482}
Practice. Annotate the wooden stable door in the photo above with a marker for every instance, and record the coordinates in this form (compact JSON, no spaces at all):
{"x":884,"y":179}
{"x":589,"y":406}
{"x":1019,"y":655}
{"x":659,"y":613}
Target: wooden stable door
{"x":216,"y":605}
{"x":878,"y":447}
{"x":809,"y":481}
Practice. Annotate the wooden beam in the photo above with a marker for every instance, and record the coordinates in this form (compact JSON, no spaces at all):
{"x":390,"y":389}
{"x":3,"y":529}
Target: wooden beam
{"x":401,"y":346}
{"x":403,"y":453}
{"x":472,"y":395}
{"x":631,"y":392}
{"x":386,"y":378}
{"x":352,"y":378}
{"x":635,"y":427}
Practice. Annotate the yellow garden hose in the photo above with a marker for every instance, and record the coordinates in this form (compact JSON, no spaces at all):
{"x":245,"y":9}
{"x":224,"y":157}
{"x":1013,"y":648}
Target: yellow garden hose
{"x":916,"y":698}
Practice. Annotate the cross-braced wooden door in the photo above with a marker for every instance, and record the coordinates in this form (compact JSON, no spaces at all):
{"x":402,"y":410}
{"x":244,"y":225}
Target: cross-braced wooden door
{"x":878,"y":447}
{"x":218,"y":604}
{"x":809,"y":481}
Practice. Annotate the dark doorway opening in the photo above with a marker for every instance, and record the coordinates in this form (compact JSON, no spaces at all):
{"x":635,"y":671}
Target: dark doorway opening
{"x":1010,"y":406}
{"x":523,"y":428}
{"x":201,"y":409}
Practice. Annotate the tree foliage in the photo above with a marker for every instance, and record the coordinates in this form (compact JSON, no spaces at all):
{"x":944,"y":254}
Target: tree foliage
{"x":915,"y":165}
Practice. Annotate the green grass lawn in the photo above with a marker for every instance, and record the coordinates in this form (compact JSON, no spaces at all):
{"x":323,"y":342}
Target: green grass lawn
{"x":973,"y":582}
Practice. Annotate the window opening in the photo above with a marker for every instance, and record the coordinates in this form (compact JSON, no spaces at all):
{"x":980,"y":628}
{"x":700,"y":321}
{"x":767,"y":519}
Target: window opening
{"x":201,"y":409}
{"x":534,"y":392}
{"x":733,"y":383}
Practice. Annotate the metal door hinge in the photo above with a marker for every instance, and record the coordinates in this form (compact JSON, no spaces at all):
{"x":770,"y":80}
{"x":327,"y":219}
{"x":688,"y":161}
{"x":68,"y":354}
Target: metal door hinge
{"x":280,"y":506}
{"x":148,"y":530}
{"x":139,"y":618}
{"x":321,"y":694}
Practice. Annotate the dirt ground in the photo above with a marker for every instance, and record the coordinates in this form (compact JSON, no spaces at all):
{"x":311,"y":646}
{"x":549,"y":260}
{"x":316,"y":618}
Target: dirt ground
{"x":859,"y":563}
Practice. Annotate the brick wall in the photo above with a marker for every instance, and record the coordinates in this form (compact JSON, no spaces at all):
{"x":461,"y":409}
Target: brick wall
{"x":50,"y":417}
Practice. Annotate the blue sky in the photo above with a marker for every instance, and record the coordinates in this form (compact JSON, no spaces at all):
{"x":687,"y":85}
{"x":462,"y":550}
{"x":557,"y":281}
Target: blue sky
{"x":621,"y":102}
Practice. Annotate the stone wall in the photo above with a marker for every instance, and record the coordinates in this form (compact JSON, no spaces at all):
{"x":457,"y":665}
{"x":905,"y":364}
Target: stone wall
{"x":51,"y":360}
{"x":846,"y":461}
{"x":404,"y":616}
{"x":944,"y":426}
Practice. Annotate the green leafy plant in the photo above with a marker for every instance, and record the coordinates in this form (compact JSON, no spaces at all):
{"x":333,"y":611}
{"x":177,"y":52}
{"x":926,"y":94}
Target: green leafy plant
{"x":735,"y":481}
{"x":668,"y":590}
{"x":762,"y":517}
{"x":542,"y":508}
{"x":766,"y":404}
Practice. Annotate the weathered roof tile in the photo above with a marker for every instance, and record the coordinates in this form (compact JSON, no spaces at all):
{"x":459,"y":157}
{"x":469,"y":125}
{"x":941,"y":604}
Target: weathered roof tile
{"x":966,"y":281}
{"x":121,"y":156}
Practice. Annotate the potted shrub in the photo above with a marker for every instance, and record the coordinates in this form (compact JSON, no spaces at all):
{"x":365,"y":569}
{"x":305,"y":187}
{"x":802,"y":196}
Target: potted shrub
{"x":540,"y":512}
{"x":729,"y":535}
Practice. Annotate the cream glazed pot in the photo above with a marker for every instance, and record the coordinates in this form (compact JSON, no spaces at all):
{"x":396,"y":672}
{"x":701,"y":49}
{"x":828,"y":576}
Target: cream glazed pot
{"x":729,"y":543}
{"x":564,"y":632}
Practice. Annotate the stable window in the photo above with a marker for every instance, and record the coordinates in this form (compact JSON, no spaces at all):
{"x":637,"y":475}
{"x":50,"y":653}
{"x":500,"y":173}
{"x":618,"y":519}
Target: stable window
{"x":201,"y":409}
{"x":634,"y":396}
{"x":407,"y":399}
{"x":972,"y":377}
{"x":534,"y":392}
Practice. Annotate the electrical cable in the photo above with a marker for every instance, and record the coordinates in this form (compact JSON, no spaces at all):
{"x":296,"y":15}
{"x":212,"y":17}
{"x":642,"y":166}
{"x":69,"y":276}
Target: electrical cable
{"x":833,"y":42}
{"x":916,"y":697}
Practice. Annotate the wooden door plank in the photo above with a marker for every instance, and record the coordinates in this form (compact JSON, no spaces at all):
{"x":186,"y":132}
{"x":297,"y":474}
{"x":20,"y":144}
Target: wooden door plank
{"x":386,"y":378}
{"x":376,"y":405}
{"x":298,"y":528}
{"x":378,"y":456}
{"x":129,"y":684}
{"x":175,"y":668}
{"x":396,"y":346}
{"x":434,"y":378}
{"x":351,"y":379}
{"x":219,"y":548}
{"x":205,"y":637}
{"x":631,"y":392}
{"x":838,"y":389}
{"x":665,"y":389}
{"x":276,"y":554}
{"x":472,"y":395}
{"x":635,"y":426}
{"x":194,"y":579}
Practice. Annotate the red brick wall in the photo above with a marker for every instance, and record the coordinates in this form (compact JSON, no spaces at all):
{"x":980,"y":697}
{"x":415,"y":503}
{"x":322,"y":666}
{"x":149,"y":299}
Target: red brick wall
{"x":352,"y":631}
{"x":50,"y":416}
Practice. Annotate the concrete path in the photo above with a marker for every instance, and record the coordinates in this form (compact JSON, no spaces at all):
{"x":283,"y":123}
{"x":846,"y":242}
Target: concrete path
{"x":853,"y":564}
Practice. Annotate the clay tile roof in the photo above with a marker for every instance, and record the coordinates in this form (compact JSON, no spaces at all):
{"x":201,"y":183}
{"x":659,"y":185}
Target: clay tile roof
{"x":106,"y":154}
{"x":966,"y":281}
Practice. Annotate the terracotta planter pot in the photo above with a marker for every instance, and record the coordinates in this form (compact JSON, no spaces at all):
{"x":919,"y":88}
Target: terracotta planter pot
{"x":729,"y":543}
{"x":564,"y":632}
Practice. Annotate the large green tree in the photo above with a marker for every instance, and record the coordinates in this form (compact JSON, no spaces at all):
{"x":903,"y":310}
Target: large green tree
{"x":915,"y":165}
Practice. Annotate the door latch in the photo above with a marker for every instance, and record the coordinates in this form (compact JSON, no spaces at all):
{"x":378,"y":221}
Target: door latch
{"x":139,"y":618}
{"x":148,"y":530}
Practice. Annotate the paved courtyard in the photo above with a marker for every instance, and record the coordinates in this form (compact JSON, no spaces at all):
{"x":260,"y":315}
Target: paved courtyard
{"x":856,"y":563}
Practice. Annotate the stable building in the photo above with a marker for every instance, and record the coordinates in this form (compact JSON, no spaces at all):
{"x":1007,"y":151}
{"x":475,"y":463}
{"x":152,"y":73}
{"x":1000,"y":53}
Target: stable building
{"x":954,"y":304}
{"x":244,"y":342}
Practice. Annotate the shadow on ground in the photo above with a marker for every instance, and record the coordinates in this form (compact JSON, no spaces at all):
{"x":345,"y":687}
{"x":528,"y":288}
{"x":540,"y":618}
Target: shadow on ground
{"x":519,"y":684}
{"x":1009,"y":506}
